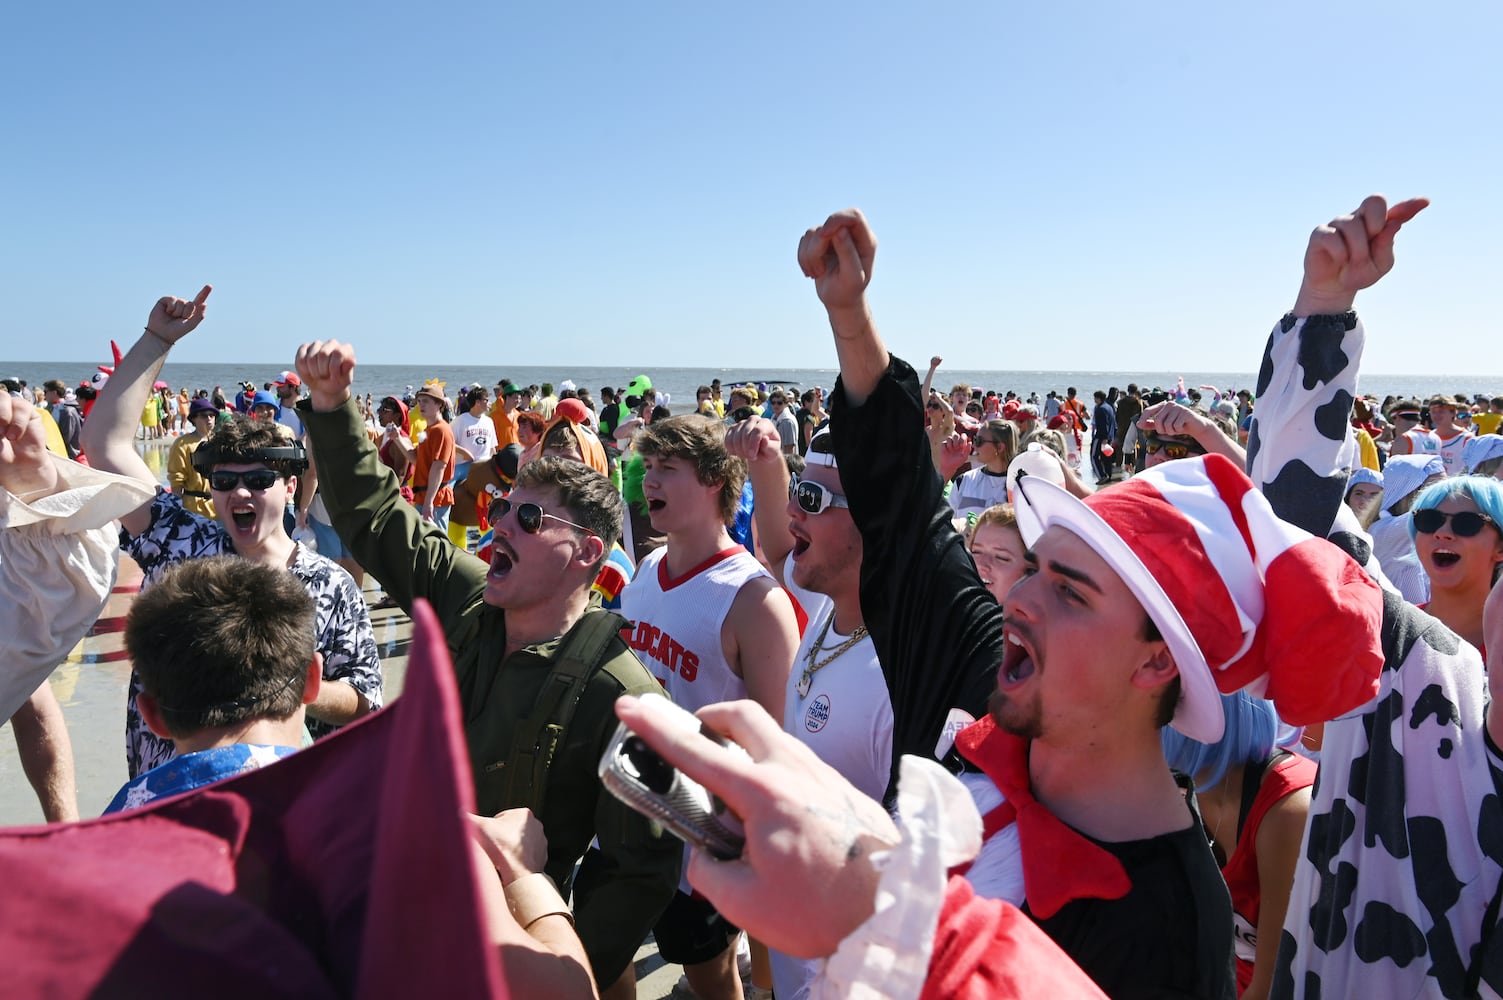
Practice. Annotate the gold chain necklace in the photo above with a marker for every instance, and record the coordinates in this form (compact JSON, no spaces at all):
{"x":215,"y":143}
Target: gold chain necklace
{"x":810,"y":667}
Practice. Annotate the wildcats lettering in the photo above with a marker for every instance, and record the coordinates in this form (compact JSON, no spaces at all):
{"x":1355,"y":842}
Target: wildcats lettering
{"x":652,"y":643}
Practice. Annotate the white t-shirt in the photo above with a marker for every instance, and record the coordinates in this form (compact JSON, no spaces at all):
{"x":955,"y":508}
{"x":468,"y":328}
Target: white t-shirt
{"x":476,"y":435}
{"x":846,"y":719}
{"x":977,"y":490}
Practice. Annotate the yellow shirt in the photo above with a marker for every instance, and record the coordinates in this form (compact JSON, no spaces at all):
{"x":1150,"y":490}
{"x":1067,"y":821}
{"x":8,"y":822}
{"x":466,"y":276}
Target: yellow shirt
{"x":184,"y":479}
{"x":55,"y":443}
{"x":1367,"y":449}
{"x":1487,"y":423}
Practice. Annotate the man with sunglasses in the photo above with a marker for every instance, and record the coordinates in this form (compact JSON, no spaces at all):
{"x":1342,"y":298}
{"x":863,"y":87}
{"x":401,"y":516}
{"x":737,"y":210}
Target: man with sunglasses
{"x":525,"y":636}
{"x":836,"y":700}
{"x":253,"y":473}
{"x":1169,"y":431}
{"x":1410,"y":435}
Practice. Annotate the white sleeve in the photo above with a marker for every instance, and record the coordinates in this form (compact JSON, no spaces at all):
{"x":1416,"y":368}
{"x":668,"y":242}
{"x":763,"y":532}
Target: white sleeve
{"x":57,"y":565}
{"x":888,"y":956}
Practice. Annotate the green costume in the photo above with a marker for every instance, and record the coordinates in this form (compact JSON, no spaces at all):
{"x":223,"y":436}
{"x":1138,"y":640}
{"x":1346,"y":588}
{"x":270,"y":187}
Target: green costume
{"x":638,"y":867}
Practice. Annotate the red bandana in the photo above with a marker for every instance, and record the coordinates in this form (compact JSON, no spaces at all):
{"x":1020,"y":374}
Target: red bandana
{"x":1060,"y":864}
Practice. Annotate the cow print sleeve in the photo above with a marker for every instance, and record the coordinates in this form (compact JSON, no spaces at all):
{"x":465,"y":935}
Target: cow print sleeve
{"x":1300,"y":447}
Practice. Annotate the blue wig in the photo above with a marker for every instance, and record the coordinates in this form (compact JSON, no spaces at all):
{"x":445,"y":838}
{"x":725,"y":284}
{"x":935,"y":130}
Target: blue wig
{"x":1251,"y":730}
{"x":1485,"y":491}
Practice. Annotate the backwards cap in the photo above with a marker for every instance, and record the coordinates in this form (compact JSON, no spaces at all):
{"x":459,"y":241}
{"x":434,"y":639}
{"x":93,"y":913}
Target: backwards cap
{"x":1242,"y":598}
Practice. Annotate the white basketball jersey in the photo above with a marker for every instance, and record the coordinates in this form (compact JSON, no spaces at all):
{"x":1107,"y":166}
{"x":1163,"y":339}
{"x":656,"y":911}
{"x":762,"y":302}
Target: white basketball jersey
{"x":678,"y":623}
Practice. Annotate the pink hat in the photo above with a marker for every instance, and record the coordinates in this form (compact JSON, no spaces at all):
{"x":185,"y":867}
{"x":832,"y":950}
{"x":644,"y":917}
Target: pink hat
{"x":1241,"y":597}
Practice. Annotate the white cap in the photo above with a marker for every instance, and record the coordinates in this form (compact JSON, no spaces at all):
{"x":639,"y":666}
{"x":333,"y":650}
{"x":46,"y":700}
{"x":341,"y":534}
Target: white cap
{"x":1033,"y":461}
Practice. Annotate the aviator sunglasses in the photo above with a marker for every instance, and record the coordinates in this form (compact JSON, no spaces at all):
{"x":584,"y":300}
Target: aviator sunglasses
{"x":529,"y":516}
{"x":256,"y":479}
{"x":814,"y":498}
{"x":1173,"y":448}
{"x":1464,"y":524}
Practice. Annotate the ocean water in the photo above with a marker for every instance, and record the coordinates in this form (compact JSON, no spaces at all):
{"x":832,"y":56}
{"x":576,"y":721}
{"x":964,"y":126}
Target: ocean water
{"x":681,"y":383}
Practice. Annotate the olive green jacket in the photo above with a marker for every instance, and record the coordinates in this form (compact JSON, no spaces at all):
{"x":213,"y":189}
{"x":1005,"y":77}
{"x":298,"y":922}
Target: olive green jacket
{"x":638,"y":866}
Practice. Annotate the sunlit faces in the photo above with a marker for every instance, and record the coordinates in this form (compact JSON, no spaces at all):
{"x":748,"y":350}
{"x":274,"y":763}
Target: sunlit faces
{"x":1075,"y":662}
{"x":826,"y":546}
{"x":1443,"y":418}
{"x":431,"y":409}
{"x":252,"y":517}
{"x":999,"y":555}
{"x":676,"y":499}
{"x":530,"y":570}
{"x":1452,"y":560}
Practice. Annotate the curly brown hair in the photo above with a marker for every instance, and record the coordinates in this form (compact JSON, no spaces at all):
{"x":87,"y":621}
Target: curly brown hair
{"x":240,"y":438}
{"x":700,"y":441}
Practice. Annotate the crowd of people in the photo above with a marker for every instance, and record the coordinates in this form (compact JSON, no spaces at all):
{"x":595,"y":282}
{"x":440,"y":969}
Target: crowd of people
{"x":1164,"y":692}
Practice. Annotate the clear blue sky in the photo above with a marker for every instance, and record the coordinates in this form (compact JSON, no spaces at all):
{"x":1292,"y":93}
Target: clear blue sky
{"x":1055,"y":186}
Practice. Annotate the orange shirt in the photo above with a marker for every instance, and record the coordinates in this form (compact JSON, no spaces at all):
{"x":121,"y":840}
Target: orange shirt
{"x":506,"y":424}
{"x":437,"y":446}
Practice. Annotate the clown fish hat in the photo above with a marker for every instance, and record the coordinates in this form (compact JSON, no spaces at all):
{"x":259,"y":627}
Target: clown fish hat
{"x":1241,"y":597}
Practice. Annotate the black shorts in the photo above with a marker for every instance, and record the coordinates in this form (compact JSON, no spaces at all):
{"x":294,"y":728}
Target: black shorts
{"x":692,"y":931}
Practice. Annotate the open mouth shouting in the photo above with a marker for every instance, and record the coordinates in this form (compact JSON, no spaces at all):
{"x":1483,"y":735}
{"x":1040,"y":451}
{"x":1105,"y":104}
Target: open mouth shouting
{"x":1017,"y":659}
{"x":1444,"y":558}
{"x":502,"y":561}
{"x":800,"y":541}
{"x":243,"y":517}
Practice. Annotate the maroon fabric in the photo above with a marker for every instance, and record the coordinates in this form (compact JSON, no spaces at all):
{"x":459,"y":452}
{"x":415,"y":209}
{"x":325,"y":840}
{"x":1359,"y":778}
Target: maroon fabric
{"x":343,"y":870}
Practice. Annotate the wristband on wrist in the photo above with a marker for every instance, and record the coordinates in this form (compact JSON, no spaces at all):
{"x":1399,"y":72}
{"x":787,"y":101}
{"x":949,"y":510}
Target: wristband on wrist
{"x":533,"y":897}
{"x":161,"y":339}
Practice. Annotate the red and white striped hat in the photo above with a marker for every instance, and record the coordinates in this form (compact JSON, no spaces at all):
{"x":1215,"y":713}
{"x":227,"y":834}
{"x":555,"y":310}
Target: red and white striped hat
{"x":1241,"y":597}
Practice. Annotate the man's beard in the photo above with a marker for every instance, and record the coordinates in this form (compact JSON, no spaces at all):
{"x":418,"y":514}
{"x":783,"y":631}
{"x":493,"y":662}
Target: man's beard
{"x":1012,"y":717}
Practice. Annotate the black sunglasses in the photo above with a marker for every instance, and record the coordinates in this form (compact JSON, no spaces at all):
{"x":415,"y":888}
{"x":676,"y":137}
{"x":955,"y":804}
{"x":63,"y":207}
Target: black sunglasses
{"x":529,"y":516}
{"x":814,"y":498}
{"x":224,"y":480}
{"x":1464,"y":524}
